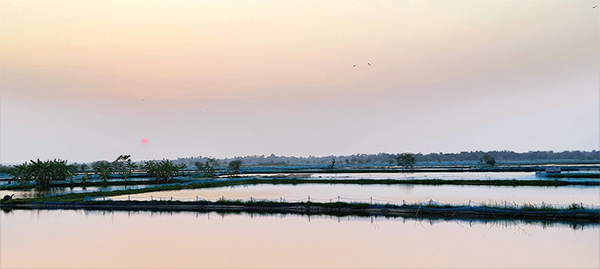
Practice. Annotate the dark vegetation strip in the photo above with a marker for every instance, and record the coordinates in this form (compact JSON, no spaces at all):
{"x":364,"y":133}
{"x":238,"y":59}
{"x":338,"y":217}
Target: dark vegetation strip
{"x":591,"y":216}
{"x":90,"y":184}
{"x":573,"y":175}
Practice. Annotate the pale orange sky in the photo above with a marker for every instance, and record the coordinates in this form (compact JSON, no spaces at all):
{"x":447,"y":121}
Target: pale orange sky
{"x":87,"y":80}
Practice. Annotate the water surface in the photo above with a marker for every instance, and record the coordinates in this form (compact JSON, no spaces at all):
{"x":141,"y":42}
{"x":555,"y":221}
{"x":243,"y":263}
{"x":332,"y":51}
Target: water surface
{"x":97,"y":239}
{"x":450,"y":194}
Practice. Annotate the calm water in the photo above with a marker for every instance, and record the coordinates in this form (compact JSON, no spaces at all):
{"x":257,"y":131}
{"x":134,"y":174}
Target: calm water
{"x":54,"y":191}
{"x":449,"y":175}
{"x":451,"y":194}
{"x":333,"y":176}
{"x":84,"y":239}
{"x":426,"y":175}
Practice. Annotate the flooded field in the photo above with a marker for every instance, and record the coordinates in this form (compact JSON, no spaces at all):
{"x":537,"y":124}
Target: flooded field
{"x":446,"y":176}
{"x":428,"y":175}
{"x":98,"y":239}
{"x":123,"y":239}
{"x":431,"y":175}
{"x":397,"y":194}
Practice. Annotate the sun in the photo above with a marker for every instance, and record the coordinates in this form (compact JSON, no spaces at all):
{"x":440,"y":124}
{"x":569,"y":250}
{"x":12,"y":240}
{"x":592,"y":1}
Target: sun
{"x":145,"y":141}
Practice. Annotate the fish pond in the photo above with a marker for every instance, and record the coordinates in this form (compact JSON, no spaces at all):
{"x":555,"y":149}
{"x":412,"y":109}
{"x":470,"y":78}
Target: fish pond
{"x":117,"y":239}
{"x":142,"y":239}
{"x":589,"y":196}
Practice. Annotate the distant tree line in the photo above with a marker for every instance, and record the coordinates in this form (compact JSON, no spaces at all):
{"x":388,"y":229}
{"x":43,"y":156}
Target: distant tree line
{"x":43,"y":172}
{"x":382,"y":158}
{"x":506,"y":155}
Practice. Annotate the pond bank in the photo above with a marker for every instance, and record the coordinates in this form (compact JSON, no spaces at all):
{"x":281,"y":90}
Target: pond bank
{"x":578,"y":215}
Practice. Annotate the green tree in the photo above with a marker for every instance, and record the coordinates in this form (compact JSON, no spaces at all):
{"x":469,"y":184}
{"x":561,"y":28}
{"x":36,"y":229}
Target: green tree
{"x":5,"y":169}
{"x":406,"y":160}
{"x":182,"y":168}
{"x":41,"y":172}
{"x":59,"y":170}
{"x":22,"y":172}
{"x":83,"y":167}
{"x":151,"y":168}
{"x":44,"y":172}
{"x":234,"y":166}
{"x":199,"y":166}
{"x":130,"y":166}
{"x":210,"y":167}
{"x":120,"y":165}
{"x":163,"y":171}
{"x":487,"y":159}
{"x":103,"y":168}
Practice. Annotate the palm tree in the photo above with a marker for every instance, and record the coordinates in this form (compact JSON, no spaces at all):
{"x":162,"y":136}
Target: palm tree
{"x":59,"y":170}
{"x":162,"y":171}
{"x":151,"y":168}
{"x":166,"y":170}
{"x":41,"y":172}
{"x":129,"y":165}
{"x":103,"y":168}
{"x":120,"y":165}
{"x":22,"y":172}
{"x":199,"y":166}
{"x":182,"y":167}
{"x":210,"y":167}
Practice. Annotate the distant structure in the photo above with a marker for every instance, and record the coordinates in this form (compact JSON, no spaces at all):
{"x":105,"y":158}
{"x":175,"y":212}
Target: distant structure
{"x":553,"y":169}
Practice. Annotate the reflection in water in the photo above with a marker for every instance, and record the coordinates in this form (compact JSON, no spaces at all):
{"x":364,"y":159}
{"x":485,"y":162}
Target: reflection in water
{"x":493,"y":223}
{"x":432,"y":175}
{"x":395,"y":194}
{"x":190,"y":239}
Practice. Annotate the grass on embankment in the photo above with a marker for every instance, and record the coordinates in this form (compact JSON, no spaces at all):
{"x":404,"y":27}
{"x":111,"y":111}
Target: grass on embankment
{"x":573,"y":175}
{"x":291,"y":207}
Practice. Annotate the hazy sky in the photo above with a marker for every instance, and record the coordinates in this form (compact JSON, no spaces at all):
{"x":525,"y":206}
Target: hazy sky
{"x":88,"y":80}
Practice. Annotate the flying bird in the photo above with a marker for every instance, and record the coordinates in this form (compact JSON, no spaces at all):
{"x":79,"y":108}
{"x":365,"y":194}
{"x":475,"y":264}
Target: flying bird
{"x":369,"y":64}
{"x":354,"y":66}
{"x":595,"y":6}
